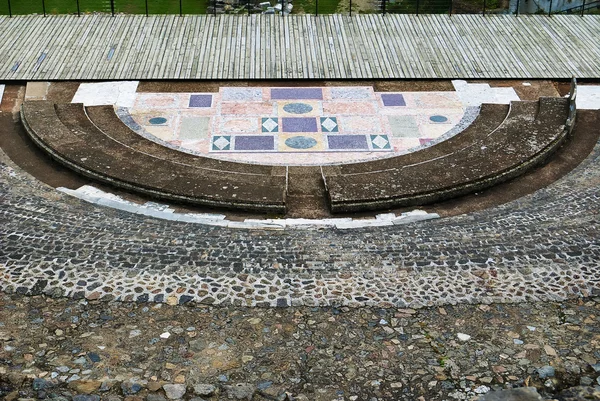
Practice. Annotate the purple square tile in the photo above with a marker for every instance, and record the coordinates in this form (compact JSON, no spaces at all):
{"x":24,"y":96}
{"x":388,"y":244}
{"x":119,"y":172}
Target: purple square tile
{"x":297,"y":93}
{"x":339,"y":142}
{"x":200,"y":100}
{"x":254,"y":142}
{"x":425,"y":141}
{"x":393,"y":99}
{"x":299,"y":124}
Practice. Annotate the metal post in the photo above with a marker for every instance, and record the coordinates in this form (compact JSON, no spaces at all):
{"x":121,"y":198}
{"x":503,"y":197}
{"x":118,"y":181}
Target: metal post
{"x":484,"y":4}
{"x":282,"y":7}
{"x":451,"y":7}
{"x":180,"y":9}
{"x":146,"y":8}
{"x":9,"y":10}
{"x":517,"y":11}
{"x":316,"y":8}
{"x":383,"y":7}
{"x":78,"y":9}
{"x":417,"y":7}
{"x":583,"y":8}
{"x":112,"y":7}
{"x":550,"y":9}
{"x":44,"y":7}
{"x":215,"y":8}
{"x":351,"y":8}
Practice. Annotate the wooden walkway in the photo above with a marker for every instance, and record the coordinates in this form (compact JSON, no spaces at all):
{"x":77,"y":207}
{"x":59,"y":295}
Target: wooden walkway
{"x":101,"y":47}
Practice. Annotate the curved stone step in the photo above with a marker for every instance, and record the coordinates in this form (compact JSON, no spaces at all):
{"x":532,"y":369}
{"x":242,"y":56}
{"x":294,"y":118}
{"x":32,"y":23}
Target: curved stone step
{"x":530,"y":132}
{"x":69,"y":136}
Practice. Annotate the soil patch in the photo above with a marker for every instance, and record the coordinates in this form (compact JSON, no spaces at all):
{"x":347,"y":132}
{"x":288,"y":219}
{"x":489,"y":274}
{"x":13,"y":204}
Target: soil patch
{"x":213,"y":86}
{"x":62,"y":92}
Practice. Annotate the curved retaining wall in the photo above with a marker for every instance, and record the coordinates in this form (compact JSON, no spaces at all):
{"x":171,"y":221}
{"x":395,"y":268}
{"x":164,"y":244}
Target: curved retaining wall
{"x":529,"y":134}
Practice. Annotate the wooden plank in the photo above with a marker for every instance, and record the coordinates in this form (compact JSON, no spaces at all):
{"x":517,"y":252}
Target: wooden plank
{"x":128,"y":66}
{"x":52,"y":39}
{"x":174,"y":68}
{"x":12,"y":46}
{"x":87,"y":45}
{"x":300,"y":46}
{"x":126,"y":30}
{"x":237,"y":64}
{"x":449,"y":44}
{"x":98,"y":54}
{"x":161,"y":49}
{"x":53,"y":47}
{"x":200,"y":70}
{"x":125,"y":49}
{"x":145,"y":59}
{"x":24,"y":47}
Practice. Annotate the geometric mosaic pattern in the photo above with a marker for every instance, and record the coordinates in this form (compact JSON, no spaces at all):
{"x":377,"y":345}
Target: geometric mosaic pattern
{"x":297,"y":125}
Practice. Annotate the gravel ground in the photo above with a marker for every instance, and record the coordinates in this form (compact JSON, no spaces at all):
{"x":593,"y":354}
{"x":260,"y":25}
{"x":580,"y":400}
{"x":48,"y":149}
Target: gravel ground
{"x":66,"y":349}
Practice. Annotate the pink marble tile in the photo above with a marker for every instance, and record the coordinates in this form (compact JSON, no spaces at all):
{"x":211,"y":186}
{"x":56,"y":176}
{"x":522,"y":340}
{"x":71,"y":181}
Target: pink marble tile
{"x":360,"y":124}
{"x":403,"y":144}
{"x":264,"y":109}
{"x":236,"y":124}
{"x":436,"y":99}
{"x":156,"y":101}
{"x":349,"y":108}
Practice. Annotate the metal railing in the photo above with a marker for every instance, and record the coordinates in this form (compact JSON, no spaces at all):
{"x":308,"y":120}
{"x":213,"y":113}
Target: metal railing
{"x":283,"y":7}
{"x":588,"y":6}
{"x":572,"y":105}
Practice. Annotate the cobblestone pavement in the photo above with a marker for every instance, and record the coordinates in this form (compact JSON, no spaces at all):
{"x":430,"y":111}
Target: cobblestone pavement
{"x":540,"y":247}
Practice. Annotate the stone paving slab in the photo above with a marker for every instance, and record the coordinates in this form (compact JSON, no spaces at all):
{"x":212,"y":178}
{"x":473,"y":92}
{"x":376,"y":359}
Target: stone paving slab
{"x":588,"y":97}
{"x":120,"y":94}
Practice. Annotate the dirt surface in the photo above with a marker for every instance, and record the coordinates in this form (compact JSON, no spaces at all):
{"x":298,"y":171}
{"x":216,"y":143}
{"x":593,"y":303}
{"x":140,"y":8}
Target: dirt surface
{"x":213,"y":86}
{"x":62,"y":92}
{"x":16,"y":144}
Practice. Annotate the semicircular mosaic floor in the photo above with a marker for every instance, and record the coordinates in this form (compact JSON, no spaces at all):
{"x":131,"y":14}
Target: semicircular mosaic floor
{"x":307,"y":126}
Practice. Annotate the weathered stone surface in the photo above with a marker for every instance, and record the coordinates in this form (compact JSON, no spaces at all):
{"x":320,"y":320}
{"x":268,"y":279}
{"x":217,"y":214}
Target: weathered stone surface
{"x":580,"y":393}
{"x":517,"y":394}
{"x":85,"y":386}
{"x":174,"y":391}
{"x":240,"y":391}
{"x":204,"y":389}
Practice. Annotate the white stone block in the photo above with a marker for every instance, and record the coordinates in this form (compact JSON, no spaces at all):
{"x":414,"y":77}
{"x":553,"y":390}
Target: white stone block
{"x":107,"y":93}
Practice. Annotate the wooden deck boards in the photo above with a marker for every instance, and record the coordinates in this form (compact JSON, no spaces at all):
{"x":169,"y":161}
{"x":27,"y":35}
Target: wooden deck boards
{"x":298,"y":47}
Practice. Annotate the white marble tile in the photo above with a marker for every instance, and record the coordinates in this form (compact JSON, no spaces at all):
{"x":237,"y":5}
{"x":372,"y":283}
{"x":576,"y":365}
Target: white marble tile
{"x":588,"y":97}
{"x":102,"y":93}
{"x":477,"y":94}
